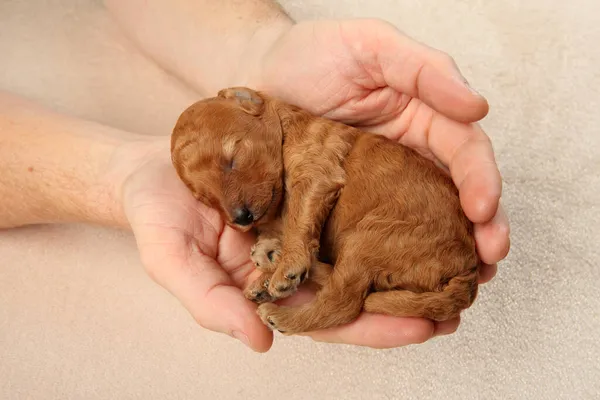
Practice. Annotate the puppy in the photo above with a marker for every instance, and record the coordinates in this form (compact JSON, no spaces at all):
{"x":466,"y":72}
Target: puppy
{"x":374,"y":225}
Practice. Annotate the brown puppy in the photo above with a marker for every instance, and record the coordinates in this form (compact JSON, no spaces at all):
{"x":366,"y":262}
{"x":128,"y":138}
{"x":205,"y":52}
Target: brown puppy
{"x":323,"y":194}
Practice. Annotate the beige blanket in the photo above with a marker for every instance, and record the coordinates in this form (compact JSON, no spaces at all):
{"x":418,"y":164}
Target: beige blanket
{"x":79,"y":319}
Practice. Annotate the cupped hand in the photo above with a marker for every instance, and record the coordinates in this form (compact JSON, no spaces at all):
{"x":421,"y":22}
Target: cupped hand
{"x":368,"y":74}
{"x":361,"y":72}
{"x":186,"y":248}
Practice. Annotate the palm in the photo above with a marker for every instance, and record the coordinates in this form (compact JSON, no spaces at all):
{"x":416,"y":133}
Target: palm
{"x":179,"y":238}
{"x":366,"y":73}
{"x":348,"y":71}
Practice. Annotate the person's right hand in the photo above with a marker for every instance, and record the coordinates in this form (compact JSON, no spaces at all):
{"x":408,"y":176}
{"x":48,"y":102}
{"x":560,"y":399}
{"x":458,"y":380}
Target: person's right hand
{"x":366,"y":73}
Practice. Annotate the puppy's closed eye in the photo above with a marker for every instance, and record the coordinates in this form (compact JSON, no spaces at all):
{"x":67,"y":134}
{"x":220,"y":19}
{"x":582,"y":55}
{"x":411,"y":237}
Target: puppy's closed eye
{"x":229,"y":164}
{"x":229,"y":147}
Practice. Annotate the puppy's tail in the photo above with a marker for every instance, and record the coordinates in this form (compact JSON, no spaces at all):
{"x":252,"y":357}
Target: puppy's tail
{"x":457,"y":295}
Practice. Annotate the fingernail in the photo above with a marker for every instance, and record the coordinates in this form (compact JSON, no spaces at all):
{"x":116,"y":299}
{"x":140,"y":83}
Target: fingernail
{"x":466,"y":83}
{"x":475,"y":92}
{"x":241,"y":336}
{"x":441,"y":166}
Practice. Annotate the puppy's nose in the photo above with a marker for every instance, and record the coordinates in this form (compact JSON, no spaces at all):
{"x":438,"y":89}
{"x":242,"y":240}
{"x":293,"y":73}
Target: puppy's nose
{"x":242,"y":216}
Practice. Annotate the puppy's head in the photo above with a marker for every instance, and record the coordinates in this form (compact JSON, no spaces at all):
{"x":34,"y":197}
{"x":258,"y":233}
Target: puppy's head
{"x":228,"y":152}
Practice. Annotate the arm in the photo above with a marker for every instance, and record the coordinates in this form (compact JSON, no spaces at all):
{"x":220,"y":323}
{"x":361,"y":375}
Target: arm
{"x":209,"y":44}
{"x":55,"y":169}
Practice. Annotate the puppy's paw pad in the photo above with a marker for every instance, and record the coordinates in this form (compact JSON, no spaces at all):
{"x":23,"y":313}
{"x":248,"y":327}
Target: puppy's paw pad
{"x":281,"y":288}
{"x":284,"y":284}
{"x":276,"y":318}
{"x":258,"y":296}
{"x":257,"y":291}
{"x":295,"y":278}
{"x":265,"y":312}
{"x":265,"y":253}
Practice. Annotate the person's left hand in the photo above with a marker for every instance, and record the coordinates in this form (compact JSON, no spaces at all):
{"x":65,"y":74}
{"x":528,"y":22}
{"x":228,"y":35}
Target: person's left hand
{"x":367,"y":74}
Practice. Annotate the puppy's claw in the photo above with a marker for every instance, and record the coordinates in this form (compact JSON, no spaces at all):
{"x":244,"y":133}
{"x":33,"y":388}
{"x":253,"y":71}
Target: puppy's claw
{"x":265,"y":312}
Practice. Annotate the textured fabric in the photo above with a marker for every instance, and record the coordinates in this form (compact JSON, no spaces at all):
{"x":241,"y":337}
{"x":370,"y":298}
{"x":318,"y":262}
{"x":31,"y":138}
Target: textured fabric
{"x":79,"y":319}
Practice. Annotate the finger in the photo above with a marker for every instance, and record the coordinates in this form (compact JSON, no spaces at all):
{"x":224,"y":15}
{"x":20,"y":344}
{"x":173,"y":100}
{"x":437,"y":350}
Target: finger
{"x":468,"y":153}
{"x":493,"y":238}
{"x":215,"y":302}
{"x":465,"y":149}
{"x":429,"y":75}
{"x":446,"y":327}
{"x":236,"y":262}
{"x":378,"y":331}
{"x":487,"y":273}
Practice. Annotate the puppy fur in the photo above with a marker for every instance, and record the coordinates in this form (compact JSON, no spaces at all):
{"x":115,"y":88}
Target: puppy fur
{"x":374,"y":225}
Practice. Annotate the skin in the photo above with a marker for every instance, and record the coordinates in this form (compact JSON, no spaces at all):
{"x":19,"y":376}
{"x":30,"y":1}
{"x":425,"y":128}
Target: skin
{"x":411,"y":255}
{"x":376,"y":78}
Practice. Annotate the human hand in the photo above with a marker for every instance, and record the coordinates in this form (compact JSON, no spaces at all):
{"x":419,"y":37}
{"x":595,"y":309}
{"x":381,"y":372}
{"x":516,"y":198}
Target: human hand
{"x":186,"y":247}
{"x":368,"y":74}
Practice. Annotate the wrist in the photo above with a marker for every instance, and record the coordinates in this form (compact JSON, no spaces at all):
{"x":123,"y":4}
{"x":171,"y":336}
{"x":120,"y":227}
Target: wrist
{"x":121,"y":176}
{"x":251,"y":62}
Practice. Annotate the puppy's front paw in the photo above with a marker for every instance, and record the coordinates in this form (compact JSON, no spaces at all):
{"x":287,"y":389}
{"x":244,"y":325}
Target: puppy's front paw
{"x":265,"y":253}
{"x":257,"y":291}
{"x":287,"y":278}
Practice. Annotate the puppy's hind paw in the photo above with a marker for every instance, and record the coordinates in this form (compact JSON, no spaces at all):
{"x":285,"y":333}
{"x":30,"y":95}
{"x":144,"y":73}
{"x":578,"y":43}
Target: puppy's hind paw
{"x":268,"y":313}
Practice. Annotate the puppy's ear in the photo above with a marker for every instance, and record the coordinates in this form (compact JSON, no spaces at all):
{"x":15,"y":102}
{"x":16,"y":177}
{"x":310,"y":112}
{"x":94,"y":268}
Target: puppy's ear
{"x":248,"y":99}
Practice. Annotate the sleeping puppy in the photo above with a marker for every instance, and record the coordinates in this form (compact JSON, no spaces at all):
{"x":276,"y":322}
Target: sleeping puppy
{"x":374,"y":225}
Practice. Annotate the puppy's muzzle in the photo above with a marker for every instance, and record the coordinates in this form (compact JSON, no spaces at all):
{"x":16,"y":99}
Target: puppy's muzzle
{"x":243,"y":216}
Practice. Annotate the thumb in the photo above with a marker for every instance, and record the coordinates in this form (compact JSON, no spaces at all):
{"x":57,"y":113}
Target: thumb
{"x":215,"y":302}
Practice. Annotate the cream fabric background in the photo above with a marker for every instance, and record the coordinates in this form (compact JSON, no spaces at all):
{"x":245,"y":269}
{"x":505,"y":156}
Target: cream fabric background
{"x":80,"y":320}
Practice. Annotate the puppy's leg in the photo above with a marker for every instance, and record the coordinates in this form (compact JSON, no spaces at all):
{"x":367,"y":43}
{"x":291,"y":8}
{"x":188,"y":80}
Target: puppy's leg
{"x":257,"y":290}
{"x":339,"y":302}
{"x":267,"y":249}
{"x":308,"y":207}
{"x":320,"y":273}
{"x":265,"y":253}
{"x":258,"y":293}
{"x":459,"y":294}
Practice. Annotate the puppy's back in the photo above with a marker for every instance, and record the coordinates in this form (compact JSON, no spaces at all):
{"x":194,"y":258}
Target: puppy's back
{"x":404,"y":211}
